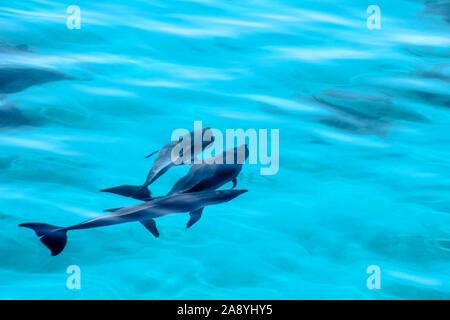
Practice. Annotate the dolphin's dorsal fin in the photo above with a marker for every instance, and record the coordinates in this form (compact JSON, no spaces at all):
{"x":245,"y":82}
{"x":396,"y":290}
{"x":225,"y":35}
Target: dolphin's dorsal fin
{"x":195,"y":216}
{"x":151,"y":154}
{"x":112,"y":210}
{"x":150,"y":224}
{"x":234,"y":183}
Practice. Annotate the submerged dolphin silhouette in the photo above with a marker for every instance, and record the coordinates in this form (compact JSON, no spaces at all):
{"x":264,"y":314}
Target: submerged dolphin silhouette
{"x":12,"y":117}
{"x":163,"y":162}
{"x":209,"y":176}
{"x":55,"y":238}
{"x":15,"y":79}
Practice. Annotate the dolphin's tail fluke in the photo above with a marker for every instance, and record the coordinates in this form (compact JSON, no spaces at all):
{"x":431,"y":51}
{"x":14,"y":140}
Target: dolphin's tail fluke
{"x":136,"y":192}
{"x":54,"y":238}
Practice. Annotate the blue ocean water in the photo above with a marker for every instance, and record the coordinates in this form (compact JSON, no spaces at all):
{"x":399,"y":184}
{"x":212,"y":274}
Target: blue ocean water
{"x":363,"y":116}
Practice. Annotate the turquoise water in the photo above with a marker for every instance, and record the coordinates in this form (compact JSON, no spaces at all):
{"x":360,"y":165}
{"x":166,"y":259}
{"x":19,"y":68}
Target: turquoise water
{"x":363,"y":116}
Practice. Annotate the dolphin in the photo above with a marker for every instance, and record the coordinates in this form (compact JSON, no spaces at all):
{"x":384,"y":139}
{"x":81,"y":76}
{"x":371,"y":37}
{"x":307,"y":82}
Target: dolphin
{"x":214,"y":172}
{"x":18,"y":78}
{"x":210,"y":175}
{"x":55,"y":238}
{"x":6,"y":48}
{"x":165,"y":160}
{"x":11,"y":117}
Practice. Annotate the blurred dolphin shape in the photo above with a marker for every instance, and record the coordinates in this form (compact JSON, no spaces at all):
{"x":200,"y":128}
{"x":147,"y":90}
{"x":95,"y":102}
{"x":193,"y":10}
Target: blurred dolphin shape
{"x":19,"y":78}
{"x":211,"y":175}
{"x":11,"y":117}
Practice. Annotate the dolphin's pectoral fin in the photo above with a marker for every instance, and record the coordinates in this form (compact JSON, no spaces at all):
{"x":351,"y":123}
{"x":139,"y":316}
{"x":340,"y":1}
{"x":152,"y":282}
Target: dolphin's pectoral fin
{"x":150,"y":224}
{"x":195,"y":216}
{"x":234,"y":183}
{"x":151,"y":154}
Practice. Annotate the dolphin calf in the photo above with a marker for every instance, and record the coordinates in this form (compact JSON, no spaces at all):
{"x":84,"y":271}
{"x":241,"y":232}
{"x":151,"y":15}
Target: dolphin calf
{"x":166,"y":160}
{"x":55,"y":238}
{"x":214,"y":172}
{"x":210,"y":175}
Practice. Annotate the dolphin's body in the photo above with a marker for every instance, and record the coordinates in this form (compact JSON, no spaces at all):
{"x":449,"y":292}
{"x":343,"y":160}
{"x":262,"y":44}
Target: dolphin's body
{"x":166,"y":160}
{"x":15,"y":79}
{"x":55,"y":238}
{"x":5,"y":48}
{"x":11,"y":117}
{"x":213,"y":173}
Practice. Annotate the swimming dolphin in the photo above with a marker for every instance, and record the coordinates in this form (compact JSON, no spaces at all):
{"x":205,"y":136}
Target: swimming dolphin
{"x":214,"y":172}
{"x":5,"y":48}
{"x":11,"y":116}
{"x":15,"y":79}
{"x":210,"y":175}
{"x":164,"y":161}
{"x":55,"y":238}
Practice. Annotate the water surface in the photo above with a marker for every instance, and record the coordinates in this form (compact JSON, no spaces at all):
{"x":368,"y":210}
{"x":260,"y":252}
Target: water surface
{"x":363,"y":115}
